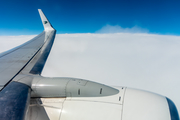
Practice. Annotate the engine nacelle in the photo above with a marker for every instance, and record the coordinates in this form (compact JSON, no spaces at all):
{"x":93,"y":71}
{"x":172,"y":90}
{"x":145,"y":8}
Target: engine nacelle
{"x":78,"y":99}
{"x":69,"y":87}
{"x":143,"y":105}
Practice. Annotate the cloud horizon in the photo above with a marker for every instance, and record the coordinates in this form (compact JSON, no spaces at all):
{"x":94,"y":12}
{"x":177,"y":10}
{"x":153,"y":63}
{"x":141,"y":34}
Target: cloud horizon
{"x":118,"y":29}
{"x":145,"y":61}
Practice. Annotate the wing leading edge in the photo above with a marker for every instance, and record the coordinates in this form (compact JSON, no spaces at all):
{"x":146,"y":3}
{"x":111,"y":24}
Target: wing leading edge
{"x":28,"y":58}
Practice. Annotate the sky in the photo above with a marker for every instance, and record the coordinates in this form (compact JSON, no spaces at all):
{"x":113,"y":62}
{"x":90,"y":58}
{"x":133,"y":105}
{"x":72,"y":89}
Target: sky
{"x":89,"y":16}
{"x":133,"y":43}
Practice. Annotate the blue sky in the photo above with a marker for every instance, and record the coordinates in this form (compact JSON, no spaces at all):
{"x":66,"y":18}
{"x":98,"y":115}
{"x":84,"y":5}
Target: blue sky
{"x":20,"y":17}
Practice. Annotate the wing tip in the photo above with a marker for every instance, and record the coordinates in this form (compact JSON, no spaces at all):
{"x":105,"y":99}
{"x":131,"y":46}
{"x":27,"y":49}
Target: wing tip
{"x":47,"y":25}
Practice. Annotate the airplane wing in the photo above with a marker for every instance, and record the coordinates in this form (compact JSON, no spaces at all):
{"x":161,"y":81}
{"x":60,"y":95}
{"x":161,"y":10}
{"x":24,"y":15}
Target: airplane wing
{"x":32,"y":54}
{"x":28,"y":58}
{"x":26,"y":95}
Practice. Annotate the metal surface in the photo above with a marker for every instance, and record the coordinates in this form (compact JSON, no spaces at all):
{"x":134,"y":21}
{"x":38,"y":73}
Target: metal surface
{"x":173,"y":110}
{"x":30,"y":56}
{"x":36,"y":65}
{"x":14,"y":101}
{"x":142,"y":105}
{"x":69,"y":87}
{"x":44,"y":52}
{"x":15,"y":65}
{"x":13,"y":61}
{"x":90,"y":110}
{"x":47,"y":25}
{"x":36,"y":111}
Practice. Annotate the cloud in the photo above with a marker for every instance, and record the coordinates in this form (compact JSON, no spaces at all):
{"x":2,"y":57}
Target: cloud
{"x":9,"y":42}
{"x":118,"y":29}
{"x":139,"y":60}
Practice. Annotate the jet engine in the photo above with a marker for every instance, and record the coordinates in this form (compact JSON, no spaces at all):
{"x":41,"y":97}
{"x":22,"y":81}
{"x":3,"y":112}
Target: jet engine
{"x":78,"y":99}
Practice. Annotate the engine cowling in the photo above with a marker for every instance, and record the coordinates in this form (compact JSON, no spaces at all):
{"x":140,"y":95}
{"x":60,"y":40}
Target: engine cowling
{"x":78,"y":99}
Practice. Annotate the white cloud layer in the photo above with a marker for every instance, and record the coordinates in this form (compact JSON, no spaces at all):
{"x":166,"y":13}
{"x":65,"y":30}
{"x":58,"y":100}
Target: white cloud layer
{"x":118,"y":29}
{"x":8,"y":42}
{"x":145,"y":61}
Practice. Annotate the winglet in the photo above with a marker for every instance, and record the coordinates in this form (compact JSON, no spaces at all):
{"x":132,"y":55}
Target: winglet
{"x":47,"y":25}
